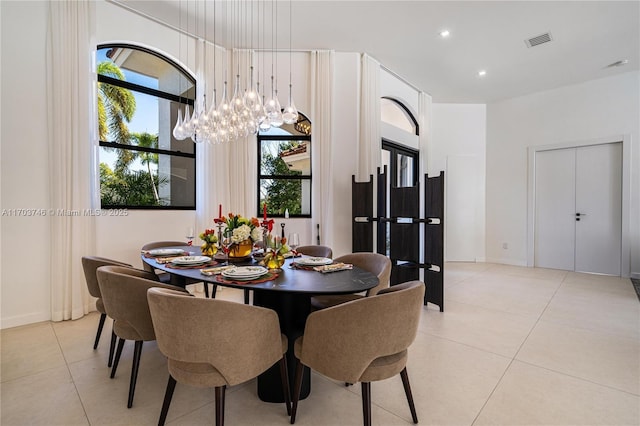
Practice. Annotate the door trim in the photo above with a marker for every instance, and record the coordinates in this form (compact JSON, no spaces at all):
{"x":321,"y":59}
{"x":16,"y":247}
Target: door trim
{"x":626,"y":193}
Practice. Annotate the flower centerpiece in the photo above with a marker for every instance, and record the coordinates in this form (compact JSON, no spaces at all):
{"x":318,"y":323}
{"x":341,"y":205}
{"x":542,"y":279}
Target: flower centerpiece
{"x":241,"y":233}
{"x":209,"y":246}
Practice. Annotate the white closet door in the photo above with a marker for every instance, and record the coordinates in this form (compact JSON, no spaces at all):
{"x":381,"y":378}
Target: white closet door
{"x":578,"y":224}
{"x":555,"y":209}
{"x":599,"y":201}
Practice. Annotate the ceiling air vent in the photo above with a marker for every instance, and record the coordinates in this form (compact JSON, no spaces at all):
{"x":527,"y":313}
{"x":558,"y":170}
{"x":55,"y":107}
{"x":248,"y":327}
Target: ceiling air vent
{"x":537,"y":40}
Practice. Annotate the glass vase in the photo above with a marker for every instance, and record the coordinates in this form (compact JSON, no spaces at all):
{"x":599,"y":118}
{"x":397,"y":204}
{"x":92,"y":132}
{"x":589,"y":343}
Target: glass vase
{"x":241,"y":249}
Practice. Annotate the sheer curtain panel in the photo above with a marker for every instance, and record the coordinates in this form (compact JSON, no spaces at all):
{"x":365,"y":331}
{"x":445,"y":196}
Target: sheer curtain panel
{"x":70,"y":106}
{"x":369,"y":142}
{"x":322,"y":74}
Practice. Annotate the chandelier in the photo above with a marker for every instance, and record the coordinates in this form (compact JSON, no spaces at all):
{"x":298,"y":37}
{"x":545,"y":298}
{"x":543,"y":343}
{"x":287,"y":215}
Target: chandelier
{"x":247,"y":112}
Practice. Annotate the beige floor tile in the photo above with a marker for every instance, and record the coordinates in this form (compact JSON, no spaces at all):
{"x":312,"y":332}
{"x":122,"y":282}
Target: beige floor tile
{"x":514,"y":294}
{"x":585,"y":306}
{"x":528,"y":395}
{"x":28,"y":350}
{"x":329,"y":403}
{"x":45,"y":398}
{"x":525,"y":272}
{"x":491,"y":330}
{"x":599,"y":357}
{"x":105,"y":399}
{"x":602,"y":281}
{"x":76,"y":337}
{"x":455,"y":272}
{"x":450,"y":382}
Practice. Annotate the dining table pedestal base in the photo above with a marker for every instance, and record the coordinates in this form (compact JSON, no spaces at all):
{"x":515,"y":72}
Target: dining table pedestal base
{"x":292,"y":310}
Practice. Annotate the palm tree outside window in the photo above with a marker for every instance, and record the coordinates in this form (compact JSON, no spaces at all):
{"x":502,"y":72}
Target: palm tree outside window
{"x":142,"y":166}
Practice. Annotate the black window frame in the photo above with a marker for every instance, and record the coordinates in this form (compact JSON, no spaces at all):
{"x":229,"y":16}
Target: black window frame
{"x":159,"y":94}
{"x":296,"y":138}
{"x":395,"y":149}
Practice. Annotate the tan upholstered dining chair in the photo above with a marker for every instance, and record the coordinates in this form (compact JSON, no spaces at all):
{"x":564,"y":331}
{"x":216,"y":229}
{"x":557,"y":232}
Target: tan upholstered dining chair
{"x":90,"y":264}
{"x":375,"y":263}
{"x":316,"y":251}
{"x":363,"y":341}
{"x":124,"y":293}
{"x":243,"y":342}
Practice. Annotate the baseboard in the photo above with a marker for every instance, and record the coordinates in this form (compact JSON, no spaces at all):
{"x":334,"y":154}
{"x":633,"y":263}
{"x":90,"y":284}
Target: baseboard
{"x":512,"y":262}
{"x":635,"y":275}
{"x":19,"y":320}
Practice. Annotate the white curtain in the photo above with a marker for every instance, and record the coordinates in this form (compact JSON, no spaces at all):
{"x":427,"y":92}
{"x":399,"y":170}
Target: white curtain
{"x":424,"y":121}
{"x":322,"y":73}
{"x":424,"y":140}
{"x":72,"y":144}
{"x":243,"y":195}
{"x":369,"y":142}
{"x":226,"y":173}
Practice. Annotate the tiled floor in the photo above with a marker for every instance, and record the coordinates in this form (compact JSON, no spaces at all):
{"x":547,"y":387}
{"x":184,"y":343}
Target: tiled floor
{"x":515,"y":346}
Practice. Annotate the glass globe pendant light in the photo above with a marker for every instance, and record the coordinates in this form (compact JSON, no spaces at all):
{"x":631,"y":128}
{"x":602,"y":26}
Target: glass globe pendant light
{"x":290,"y":114}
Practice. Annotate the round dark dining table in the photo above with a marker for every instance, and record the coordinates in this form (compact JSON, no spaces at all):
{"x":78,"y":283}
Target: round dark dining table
{"x":289,"y":295}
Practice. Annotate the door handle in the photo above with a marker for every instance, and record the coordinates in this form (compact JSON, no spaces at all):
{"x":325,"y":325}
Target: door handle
{"x":580,"y":214}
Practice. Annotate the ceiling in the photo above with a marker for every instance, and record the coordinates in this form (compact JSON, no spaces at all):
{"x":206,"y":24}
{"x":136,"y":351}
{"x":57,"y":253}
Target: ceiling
{"x":488,"y":35}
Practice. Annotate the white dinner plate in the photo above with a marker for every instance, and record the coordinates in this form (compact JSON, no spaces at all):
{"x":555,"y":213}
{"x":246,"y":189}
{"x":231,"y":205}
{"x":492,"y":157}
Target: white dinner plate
{"x":165,"y":252}
{"x":314,"y":261}
{"x":245,"y":271}
{"x":190,"y":260}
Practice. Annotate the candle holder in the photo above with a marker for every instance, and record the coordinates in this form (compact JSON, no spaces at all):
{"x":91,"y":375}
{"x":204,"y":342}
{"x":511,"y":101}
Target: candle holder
{"x":219,"y":225}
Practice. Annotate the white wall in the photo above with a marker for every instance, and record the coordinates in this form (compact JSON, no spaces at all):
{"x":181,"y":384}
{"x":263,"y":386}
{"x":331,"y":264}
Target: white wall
{"x":24,"y":283}
{"x":458,"y":148}
{"x":596,"y":109}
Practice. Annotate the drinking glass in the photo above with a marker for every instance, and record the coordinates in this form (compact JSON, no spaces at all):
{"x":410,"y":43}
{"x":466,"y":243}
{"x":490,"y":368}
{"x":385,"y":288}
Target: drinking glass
{"x":190,"y":235}
{"x":294,"y":241}
{"x":226,"y":244}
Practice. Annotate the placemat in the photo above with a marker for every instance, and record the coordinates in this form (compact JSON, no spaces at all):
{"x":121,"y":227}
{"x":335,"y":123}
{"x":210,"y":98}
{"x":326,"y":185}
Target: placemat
{"x":296,"y":265}
{"x":200,"y":266}
{"x":151,"y":256}
{"x":263,"y":279}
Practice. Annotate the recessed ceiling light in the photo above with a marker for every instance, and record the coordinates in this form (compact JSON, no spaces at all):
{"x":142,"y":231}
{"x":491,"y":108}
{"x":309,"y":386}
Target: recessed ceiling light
{"x":482,"y":73}
{"x":445,"y":33}
{"x":618,"y":63}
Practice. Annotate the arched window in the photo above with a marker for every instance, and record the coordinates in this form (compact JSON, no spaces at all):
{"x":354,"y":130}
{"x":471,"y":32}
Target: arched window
{"x":397,"y":114}
{"x":141,"y":164}
{"x":284,"y":169}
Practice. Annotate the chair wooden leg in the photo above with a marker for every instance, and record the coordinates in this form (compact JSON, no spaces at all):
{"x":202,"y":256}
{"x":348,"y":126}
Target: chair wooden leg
{"x":206,"y":289}
{"x":112,"y":347}
{"x":137,"y":352}
{"x":297,"y":386}
{"x":168,"y":394}
{"x":366,"y":403}
{"x":284,"y":377}
{"x":103,"y":317}
{"x":116,"y":359}
{"x":220,"y":391}
{"x":407,"y":391}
